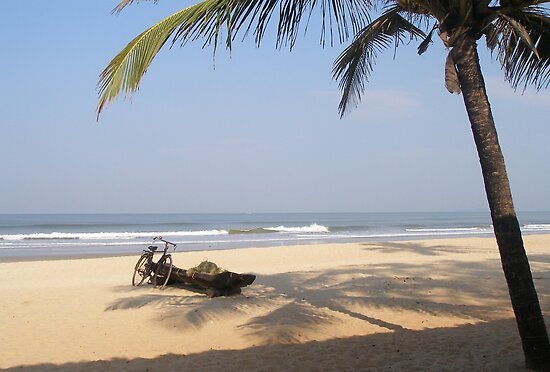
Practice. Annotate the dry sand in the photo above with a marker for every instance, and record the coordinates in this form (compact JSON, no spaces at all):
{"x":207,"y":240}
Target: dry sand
{"x":432,"y":305}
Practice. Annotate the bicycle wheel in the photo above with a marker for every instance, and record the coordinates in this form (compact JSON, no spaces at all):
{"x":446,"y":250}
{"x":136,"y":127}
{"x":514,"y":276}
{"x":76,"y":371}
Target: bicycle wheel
{"x":141,"y":271}
{"x":163,"y":271}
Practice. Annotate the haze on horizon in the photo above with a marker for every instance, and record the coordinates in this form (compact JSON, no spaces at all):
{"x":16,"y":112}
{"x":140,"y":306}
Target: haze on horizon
{"x":254,"y":131}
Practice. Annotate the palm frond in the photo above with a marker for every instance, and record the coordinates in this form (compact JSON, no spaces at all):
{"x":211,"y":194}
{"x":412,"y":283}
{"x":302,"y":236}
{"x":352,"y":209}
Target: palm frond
{"x":427,"y":41}
{"x":209,"y":20}
{"x":451,"y":75}
{"x":419,"y":8}
{"x":124,"y":3}
{"x":506,"y":6}
{"x":255,"y":16}
{"x":525,"y":61}
{"x":126,"y":69}
{"x":491,"y":37}
{"x":354,"y":65}
{"x":522,"y":33}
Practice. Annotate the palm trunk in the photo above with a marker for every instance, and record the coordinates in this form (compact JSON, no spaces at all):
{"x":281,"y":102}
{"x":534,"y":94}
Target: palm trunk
{"x":514,"y":260}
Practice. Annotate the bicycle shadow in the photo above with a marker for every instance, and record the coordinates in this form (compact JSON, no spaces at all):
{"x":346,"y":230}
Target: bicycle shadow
{"x":162,"y":297}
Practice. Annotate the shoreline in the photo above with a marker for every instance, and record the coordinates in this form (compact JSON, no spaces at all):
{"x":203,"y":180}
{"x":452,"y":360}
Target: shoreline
{"x":47,"y":237}
{"x":392,"y":305}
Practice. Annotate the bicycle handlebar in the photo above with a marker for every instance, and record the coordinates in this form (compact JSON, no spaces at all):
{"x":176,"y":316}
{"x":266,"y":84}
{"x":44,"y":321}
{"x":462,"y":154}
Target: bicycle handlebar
{"x":157,"y":238}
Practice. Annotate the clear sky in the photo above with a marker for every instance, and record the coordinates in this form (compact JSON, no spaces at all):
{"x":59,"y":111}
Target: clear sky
{"x":258,"y":131}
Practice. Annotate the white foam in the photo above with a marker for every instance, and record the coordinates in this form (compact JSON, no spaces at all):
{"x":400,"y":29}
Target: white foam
{"x":542,"y":226}
{"x":446,"y":230}
{"x":313,"y":228}
{"x":108,"y":235}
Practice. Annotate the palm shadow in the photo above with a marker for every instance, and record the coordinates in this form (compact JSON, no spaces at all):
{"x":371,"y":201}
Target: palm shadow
{"x":299,"y":302}
{"x":418,"y":248}
{"x":463,"y":348}
{"x":280,"y":312}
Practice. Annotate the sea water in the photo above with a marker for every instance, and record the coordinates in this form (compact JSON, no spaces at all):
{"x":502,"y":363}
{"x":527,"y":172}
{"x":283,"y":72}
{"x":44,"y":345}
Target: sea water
{"x":69,"y":235}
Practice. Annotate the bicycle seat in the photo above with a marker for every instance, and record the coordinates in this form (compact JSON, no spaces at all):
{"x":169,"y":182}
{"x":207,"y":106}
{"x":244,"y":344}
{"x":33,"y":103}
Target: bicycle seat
{"x":152,"y":248}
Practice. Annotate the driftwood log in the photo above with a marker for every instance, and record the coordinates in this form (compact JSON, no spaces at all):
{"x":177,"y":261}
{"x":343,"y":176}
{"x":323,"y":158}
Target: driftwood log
{"x":226,"y":283}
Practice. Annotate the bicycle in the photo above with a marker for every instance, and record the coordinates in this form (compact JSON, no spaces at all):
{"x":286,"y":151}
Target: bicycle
{"x":146,"y":266}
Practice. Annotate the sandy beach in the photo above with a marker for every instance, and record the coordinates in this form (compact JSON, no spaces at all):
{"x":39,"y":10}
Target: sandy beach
{"x":432,"y":305}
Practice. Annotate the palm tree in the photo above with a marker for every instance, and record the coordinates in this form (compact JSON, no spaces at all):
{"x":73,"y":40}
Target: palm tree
{"x":517,"y":31}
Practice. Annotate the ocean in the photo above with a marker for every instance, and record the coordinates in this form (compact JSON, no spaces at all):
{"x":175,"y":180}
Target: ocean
{"x":24,"y":236}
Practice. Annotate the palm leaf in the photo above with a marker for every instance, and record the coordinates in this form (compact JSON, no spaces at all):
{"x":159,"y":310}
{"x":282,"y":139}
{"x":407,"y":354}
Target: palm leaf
{"x":124,"y":3}
{"x":522,"y":33}
{"x":427,"y":41}
{"x":255,"y":16}
{"x":354,"y":66}
{"x":451,"y":75}
{"x":525,"y":63}
{"x":125,"y":71}
{"x":491,"y":36}
{"x":208,"y":20}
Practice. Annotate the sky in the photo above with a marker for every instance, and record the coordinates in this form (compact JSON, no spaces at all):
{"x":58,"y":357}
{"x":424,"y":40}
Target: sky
{"x":254,"y":130}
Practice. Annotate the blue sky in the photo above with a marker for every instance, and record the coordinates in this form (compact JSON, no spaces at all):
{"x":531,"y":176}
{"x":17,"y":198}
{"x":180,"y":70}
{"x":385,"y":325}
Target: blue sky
{"x":257,"y":132}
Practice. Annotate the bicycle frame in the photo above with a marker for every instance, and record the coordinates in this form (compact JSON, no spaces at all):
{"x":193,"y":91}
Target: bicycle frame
{"x":146,"y":265}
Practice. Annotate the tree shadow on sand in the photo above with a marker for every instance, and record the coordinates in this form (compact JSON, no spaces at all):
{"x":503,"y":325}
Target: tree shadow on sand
{"x":414,"y":247}
{"x":299,"y":302}
{"x":303,"y":304}
{"x":302,"y":298}
{"x":492,"y":346}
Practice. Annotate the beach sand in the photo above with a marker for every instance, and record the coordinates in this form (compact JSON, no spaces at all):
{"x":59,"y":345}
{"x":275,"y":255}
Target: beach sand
{"x":433,"y":305}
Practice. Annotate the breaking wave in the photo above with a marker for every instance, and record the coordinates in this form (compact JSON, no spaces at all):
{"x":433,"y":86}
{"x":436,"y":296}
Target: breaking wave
{"x":108,"y":235}
{"x":313,"y":228}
